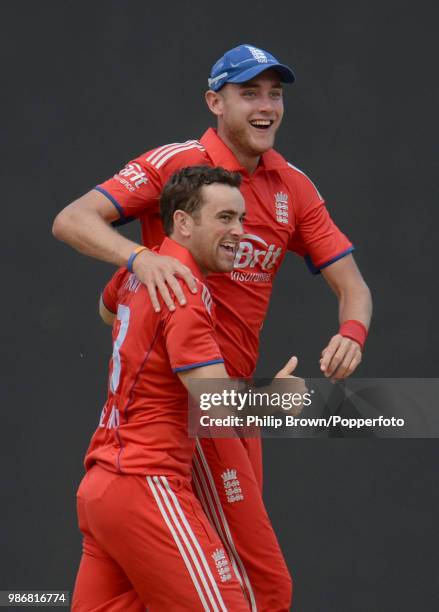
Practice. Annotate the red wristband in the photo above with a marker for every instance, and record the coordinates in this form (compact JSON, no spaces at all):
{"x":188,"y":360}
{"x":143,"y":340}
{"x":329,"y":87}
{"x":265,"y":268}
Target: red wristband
{"x":355,"y":330}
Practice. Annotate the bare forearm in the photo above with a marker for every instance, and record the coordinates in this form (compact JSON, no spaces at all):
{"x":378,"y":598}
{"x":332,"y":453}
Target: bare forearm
{"x":86,"y":226}
{"x":356,"y":303}
{"x":353,"y":294}
{"x":90,"y":234}
{"x":343,"y":353}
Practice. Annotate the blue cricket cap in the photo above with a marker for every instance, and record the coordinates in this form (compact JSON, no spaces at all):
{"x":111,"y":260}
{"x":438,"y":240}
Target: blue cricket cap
{"x":244,"y":62}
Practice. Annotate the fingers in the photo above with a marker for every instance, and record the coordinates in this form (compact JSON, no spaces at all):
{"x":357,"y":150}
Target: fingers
{"x":288,"y":368}
{"x":295,"y":384}
{"x":153,"y":296}
{"x":159,"y":274}
{"x":340,"y":358}
{"x":188,"y":277}
{"x":163,"y":290}
{"x":154,"y":284}
{"x":174,"y":284}
{"x":326,"y":364}
{"x":349,"y":363}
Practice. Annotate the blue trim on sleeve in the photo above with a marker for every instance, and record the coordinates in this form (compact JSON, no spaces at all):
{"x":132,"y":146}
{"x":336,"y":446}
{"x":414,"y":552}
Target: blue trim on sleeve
{"x":314,"y":270}
{"x":112,"y":200}
{"x":197,"y":365}
{"x":123,"y":221}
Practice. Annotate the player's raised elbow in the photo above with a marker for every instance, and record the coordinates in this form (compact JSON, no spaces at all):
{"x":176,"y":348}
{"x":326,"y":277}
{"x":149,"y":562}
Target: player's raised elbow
{"x":91,"y":208}
{"x":62,"y":224}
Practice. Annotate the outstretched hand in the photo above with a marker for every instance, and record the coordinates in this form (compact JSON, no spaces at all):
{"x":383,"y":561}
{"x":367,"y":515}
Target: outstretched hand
{"x":160,"y":273}
{"x":340,"y":358}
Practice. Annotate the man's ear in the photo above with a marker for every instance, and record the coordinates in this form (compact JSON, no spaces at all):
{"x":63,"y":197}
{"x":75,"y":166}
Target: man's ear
{"x":215,"y":102}
{"x":183,"y":223}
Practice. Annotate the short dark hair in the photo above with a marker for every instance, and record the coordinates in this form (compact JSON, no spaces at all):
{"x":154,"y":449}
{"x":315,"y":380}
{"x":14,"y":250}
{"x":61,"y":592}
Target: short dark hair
{"x":183,"y":190}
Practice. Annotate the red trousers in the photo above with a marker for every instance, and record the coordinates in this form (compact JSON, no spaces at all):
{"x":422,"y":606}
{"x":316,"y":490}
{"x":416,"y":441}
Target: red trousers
{"x":138,"y":551}
{"x":235,"y":507}
{"x":151,"y":536}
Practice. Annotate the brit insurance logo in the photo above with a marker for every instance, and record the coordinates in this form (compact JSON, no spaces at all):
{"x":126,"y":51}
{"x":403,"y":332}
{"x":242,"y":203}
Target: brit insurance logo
{"x":254,"y":250}
{"x":132,"y":176}
{"x":281,"y":206}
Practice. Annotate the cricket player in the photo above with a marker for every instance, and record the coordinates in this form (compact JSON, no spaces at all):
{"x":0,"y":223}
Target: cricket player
{"x":284,"y":211}
{"x":147,"y":541}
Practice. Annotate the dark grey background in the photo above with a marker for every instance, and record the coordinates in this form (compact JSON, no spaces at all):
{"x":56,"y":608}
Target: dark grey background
{"x":86,"y":87}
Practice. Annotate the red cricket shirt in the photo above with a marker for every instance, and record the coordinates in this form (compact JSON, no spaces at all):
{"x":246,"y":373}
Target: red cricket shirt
{"x":143,"y":424}
{"x":285,"y":212}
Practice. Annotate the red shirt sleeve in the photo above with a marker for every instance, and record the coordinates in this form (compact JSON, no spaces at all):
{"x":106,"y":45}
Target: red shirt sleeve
{"x":134,"y":189}
{"x":111,"y":290}
{"x":316,"y":237}
{"x":189,"y":333}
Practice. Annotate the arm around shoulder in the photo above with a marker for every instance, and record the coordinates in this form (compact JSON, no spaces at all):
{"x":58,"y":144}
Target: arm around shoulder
{"x":85,"y":225}
{"x":94,"y":203}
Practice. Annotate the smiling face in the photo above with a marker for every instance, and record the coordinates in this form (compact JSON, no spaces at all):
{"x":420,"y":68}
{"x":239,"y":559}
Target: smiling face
{"x":249,"y":114}
{"x":213,"y":232}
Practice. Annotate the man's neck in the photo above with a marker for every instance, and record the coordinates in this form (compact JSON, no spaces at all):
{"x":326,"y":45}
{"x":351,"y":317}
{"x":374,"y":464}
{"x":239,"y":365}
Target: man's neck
{"x":247,"y":161}
{"x":187,"y":244}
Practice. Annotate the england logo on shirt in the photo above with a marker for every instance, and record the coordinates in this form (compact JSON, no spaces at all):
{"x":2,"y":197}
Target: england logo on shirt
{"x":281,"y":206}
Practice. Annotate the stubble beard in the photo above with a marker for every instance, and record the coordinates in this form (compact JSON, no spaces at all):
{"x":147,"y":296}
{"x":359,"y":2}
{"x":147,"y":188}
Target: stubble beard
{"x":243,"y":143}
